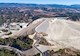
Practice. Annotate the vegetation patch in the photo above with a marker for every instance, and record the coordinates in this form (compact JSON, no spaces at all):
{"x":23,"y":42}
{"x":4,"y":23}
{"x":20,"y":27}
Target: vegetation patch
{"x":63,"y":52}
{"x":44,"y":42}
{"x":5,"y":52}
{"x":21,"y":43}
{"x":37,"y":54}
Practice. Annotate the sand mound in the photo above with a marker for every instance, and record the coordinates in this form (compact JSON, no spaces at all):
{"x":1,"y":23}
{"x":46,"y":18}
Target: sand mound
{"x":64,"y":32}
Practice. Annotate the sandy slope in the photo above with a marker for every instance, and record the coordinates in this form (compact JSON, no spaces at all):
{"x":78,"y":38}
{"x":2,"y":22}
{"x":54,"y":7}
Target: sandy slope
{"x":66,"y":33}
